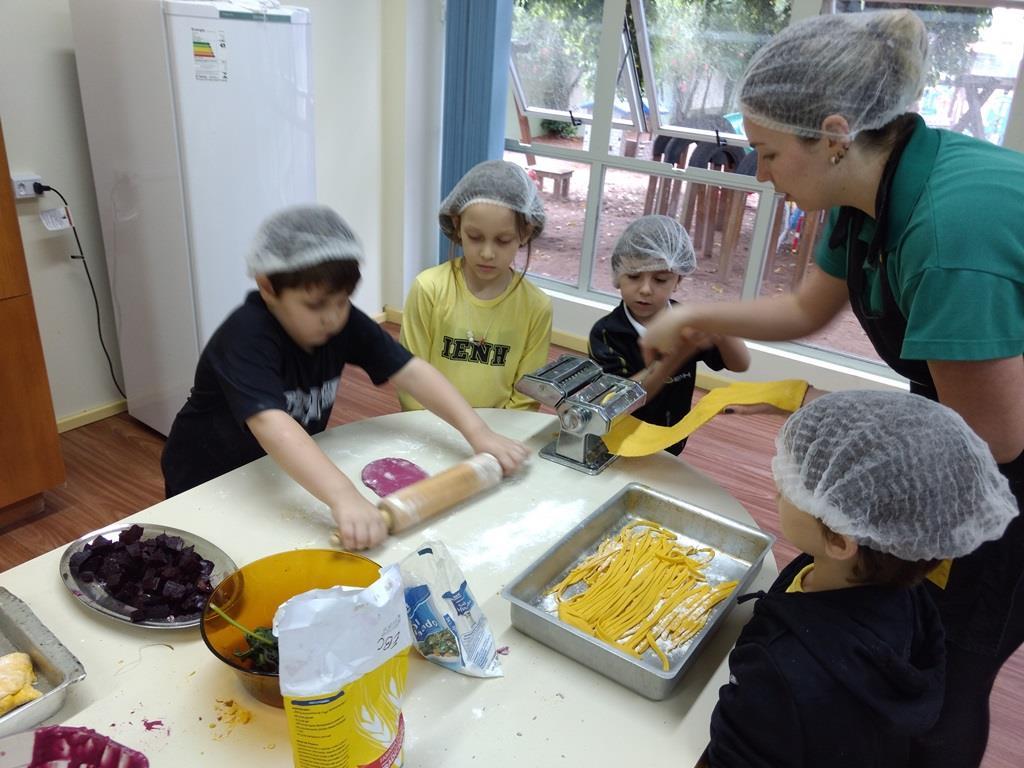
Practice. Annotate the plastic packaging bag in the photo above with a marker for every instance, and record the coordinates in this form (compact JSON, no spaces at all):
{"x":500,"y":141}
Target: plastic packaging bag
{"x":344,"y":657}
{"x":448,"y":626}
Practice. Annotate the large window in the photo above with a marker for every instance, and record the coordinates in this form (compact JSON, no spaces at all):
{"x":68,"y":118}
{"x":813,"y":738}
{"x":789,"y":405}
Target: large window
{"x":627,"y":107}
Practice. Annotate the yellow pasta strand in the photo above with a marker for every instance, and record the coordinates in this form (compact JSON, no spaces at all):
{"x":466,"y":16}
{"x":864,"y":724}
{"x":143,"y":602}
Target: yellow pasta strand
{"x":639,"y":589}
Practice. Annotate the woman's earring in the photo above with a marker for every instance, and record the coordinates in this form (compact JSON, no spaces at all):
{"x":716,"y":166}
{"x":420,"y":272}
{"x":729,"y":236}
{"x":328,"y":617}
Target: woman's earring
{"x":836,"y":158}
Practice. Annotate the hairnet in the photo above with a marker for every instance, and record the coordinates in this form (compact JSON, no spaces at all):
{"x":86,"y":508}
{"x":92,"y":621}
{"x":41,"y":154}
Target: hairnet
{"x":898,"y":473}
{"x":497,"y":182}
{"x":867,"y":67}
{"x":302,"y":236}
{"x":653,"y":244}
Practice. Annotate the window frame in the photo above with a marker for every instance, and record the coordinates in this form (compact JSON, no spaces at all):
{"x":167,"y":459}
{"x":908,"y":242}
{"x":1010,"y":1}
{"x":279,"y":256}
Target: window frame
{"x":566,"y":116}
{"x":647,"y":65}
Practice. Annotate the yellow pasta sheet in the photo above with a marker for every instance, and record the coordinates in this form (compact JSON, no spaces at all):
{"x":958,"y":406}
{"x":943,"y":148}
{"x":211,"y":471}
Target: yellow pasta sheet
{"x":632,"y":437}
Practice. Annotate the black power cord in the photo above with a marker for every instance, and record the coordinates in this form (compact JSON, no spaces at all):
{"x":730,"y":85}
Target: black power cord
{"x":40,"y":189}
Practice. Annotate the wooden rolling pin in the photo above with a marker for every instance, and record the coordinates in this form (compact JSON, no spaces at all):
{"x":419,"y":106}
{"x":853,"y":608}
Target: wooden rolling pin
{"x":432,"y":495}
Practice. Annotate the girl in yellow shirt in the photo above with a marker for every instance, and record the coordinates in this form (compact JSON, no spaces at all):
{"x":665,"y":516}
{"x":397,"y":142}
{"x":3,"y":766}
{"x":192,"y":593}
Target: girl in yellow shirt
{"x":476,"y":318}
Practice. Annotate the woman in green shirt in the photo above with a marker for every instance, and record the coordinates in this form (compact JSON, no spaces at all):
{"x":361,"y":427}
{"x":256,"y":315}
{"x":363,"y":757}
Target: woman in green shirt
{"x":925,"y":242}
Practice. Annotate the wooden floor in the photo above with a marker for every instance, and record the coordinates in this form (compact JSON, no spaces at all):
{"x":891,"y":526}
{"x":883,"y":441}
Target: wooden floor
{"x":113,"y":470}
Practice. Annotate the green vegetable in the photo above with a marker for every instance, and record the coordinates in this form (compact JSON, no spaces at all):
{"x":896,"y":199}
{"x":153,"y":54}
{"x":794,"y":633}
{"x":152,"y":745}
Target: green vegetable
{"x":262,"y":653}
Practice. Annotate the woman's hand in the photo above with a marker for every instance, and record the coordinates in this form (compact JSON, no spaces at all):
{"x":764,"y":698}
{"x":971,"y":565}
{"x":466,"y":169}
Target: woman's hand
{"x":510,"y":453}
{"x":819,"y":298}
{"x":663,"y":336}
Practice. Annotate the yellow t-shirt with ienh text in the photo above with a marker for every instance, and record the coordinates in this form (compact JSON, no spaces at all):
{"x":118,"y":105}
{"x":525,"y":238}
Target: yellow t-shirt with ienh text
{"x":482,"y":346}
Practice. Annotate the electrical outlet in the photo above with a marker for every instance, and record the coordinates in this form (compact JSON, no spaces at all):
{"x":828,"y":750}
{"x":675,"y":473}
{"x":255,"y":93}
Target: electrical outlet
{"x":23,"y":182}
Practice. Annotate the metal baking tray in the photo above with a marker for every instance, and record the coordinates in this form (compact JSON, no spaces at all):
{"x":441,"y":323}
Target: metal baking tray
{"x":56,"y":668}
{"x":740,"y":551}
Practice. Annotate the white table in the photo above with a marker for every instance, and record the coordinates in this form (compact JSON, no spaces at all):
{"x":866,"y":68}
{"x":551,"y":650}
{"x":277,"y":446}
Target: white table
{"x":546,"y":710}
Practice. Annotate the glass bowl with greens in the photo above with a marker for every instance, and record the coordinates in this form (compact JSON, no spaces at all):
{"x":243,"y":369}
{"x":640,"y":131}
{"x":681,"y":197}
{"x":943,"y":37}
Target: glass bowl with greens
{"x":238,"y":615}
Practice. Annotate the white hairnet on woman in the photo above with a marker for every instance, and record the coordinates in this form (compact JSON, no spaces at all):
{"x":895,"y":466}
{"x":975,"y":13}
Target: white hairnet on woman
{"x":867,"y":67}
{"x":302,"y":236}
{"x":497,"y":182}
{"x":653,"y":244}
{"x":898,"y":473}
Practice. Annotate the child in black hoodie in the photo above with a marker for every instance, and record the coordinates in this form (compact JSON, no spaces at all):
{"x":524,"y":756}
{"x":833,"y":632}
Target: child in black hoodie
{"x":842,"y":663}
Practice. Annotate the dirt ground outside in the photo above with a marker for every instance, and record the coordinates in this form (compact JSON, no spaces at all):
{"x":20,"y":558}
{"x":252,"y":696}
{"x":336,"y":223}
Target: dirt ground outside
{"x":556,"y":254}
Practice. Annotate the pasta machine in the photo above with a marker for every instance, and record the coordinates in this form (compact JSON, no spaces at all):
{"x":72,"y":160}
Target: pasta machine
{"x":588,"y":402}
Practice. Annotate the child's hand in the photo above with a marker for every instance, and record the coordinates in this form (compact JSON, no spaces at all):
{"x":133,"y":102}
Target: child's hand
{"x":755,"y":409}
{"x":510,"y":453}
{"x":360,"y":524}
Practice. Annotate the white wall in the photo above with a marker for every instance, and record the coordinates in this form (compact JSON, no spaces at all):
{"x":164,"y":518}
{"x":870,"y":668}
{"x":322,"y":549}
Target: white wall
{"x":43,"y":125}
{"x":347,"y":89}
{"x":45,"y":134}
{"x":412,"y":70}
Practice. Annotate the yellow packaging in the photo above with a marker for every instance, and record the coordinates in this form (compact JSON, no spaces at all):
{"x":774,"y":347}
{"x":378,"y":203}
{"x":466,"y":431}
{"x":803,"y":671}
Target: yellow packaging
{"x":360,"y":725}
{"x":344,"y":657}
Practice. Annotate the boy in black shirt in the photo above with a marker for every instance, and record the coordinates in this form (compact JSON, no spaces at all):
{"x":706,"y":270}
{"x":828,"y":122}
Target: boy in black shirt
{"x":648,"y":262}
{"x":842,"y":663}
{"x":267,"y":379}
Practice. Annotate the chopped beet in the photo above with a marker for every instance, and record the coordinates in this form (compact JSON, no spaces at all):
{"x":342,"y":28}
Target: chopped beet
{"x":150,"y":582}
{"x":131,"y":535}
{"x":157,"y":578}
{"x":174,"y":590}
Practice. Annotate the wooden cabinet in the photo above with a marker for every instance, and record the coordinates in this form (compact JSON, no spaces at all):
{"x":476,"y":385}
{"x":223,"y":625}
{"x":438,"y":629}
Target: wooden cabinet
{"x":30,"y":458}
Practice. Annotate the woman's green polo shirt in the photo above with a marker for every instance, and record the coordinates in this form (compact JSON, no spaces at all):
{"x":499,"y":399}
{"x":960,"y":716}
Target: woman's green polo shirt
{"x":954,"y":251}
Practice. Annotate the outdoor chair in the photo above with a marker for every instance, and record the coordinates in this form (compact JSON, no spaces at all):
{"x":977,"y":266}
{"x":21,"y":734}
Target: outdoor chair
{"x":703,"y":210}
{"x":662,"y":192}
{"x":735,"y":204}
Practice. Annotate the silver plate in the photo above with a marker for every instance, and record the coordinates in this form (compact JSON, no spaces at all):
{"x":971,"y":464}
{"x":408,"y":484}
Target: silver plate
{"x":96,"y":597}
{"x":739,"y":553}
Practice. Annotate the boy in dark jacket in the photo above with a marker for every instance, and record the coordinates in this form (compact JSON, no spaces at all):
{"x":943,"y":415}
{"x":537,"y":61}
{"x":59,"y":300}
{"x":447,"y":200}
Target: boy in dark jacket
{"x":649,"y":260}
{"x":842,"y":663}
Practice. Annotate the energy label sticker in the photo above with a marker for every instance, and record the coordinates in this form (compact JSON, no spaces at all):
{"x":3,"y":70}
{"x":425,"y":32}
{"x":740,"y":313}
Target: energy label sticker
{"x":210,"y":54}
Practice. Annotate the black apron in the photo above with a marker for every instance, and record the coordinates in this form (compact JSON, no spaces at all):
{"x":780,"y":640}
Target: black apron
{"x":977,"y":601}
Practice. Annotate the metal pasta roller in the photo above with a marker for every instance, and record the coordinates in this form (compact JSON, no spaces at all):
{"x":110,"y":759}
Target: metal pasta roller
{"x":588,"y":401}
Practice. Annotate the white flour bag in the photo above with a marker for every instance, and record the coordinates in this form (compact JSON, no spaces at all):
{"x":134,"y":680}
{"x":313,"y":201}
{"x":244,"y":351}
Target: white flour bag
{"x":344,"y":656}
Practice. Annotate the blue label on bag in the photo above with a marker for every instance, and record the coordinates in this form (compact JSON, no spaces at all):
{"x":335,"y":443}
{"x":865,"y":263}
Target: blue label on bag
{"x":421,"y":614}
{"x":461,"y":599}
{"x":433,"y":638}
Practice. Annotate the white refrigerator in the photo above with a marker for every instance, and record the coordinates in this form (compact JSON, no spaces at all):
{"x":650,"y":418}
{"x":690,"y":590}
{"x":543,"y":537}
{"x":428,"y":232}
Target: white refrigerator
{"x":199,"y":117}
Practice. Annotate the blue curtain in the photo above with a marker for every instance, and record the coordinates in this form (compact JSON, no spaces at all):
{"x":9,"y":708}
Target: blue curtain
{"x":478,"y":35}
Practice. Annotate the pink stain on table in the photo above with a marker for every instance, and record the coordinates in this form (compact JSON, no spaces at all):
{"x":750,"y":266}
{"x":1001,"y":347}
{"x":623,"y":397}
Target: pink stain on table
{"x":152,"y":725}
{"x":387,"y":475}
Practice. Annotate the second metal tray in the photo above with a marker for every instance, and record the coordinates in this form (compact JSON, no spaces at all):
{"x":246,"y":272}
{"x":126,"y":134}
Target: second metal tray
{"x":55,"y":666}
{"x":739,"y":553}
